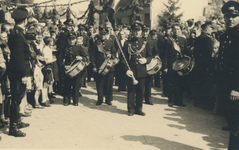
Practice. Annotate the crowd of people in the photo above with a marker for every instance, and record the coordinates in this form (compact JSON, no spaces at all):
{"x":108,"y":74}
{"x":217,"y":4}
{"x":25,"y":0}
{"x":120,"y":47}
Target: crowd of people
{"x":38,"y":60}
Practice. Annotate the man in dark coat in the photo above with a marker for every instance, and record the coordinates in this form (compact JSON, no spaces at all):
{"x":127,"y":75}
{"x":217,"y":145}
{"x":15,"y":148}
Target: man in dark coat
{"x":175,"y":82}
{"x":201,"y":80}
{"x":104,"y":49}
{"x":228,"y":71}
{"x":137,"y":54}
{"x":19,"y":69}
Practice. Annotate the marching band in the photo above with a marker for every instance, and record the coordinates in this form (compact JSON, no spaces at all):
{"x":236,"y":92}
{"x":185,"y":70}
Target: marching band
{"x":41,"y":60}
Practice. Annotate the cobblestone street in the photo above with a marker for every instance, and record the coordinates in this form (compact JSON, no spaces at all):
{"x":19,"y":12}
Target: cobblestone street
{"x":91,"y":127}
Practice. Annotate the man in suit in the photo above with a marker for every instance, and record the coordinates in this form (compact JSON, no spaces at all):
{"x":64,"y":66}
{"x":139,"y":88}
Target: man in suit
{"x":175,"y":82}
{"x":104,"y":49}
{"x":202,"y":53}
{"x":19,"y":69}
{"x":137,"y":55}
{"x":228,"y":71}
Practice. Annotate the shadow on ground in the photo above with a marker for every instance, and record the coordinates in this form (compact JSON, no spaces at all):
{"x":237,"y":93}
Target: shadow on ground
{"x":158,"y":142}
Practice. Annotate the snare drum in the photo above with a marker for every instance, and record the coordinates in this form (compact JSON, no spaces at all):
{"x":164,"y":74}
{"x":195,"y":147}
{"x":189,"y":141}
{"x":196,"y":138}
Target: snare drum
{"x":184,"y":65}
{"x":75,"y":69}
{"x":106,"y":66}
{"x":154,"y":66}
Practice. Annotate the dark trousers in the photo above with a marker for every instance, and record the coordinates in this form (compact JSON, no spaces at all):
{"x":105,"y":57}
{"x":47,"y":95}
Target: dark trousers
{"x":148,"y":85}
{"x":165,"y":83}
{"x":120,"y":77}
{"x":104,"y":85}
{"x":157,"y":79}
{"x":18,"y":90}
{"x":203,"y":91}
{"x":72,"y":86}
{"x":135,"y":105}
{"x":175,"y":87}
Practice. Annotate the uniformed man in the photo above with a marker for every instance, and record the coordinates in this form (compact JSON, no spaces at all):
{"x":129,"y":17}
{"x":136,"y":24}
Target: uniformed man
{"x":201,"y":80}
{"x":104,"y":49}
{"x":19,"y":69}
{"x":137,"y":55}
{"x":175,"y":82}
{"x":66,"y":57}
{"x":152,"y":42}
{"x":228,"y":71}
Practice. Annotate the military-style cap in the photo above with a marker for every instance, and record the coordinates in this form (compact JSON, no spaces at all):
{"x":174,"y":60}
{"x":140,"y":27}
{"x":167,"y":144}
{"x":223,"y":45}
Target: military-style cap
{"x":153,"y":32}
{"x":81,"y":27}
{"x":136,"y":26}
{"x":103,"y":30}
{"x":69,"y":22}
{"x":71,"y":35}
{"x":230,"y":7}
{"x":145,"y":28}
{"x":19,"y":13}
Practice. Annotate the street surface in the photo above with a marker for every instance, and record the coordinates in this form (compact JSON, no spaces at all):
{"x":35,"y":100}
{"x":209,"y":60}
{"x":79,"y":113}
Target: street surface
{"x":91,"y":127}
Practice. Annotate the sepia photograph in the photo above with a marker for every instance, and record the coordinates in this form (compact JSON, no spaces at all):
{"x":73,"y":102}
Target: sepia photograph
{"x":119,"y":74}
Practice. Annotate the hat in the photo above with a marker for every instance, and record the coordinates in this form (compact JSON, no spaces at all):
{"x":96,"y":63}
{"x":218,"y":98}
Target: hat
{"x":69,"y":22}
{"x":153,"y":32}
{"x":71,"y":35}
{"x":81,"y":26}
{"x":19,"y":13}
{"x":136,"y":26}
{"x":145,"y":28}
{"x":103,"y":30}
{"x":230,"y":7}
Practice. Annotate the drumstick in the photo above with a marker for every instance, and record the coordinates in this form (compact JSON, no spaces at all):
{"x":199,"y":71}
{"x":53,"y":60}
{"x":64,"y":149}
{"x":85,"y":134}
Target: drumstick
{"x":133,"y":78}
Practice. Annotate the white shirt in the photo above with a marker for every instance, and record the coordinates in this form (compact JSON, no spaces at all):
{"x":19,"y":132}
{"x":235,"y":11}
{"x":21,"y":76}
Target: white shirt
{"x":47,"y":53}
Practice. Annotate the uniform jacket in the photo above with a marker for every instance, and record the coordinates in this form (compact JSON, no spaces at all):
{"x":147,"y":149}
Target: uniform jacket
{"x":136,"y":44}
{"x":98,"y":57}
{"x":171,"y":55}
{"x":68,"y":55}
{"x":228,"y":58}
{"x":20,"y":54}
{"x":202,"y":53}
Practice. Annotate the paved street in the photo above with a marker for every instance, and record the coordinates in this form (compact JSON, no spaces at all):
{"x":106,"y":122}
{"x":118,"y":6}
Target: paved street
{"x":91,"y":127}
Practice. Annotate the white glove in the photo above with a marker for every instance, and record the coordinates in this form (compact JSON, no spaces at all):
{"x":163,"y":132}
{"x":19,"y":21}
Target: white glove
{"x":142,"y":61}
{"x":129,"y":73}
{"x":67,"y":67}
{"x":79,"y":57}
{"x":234,"y":95}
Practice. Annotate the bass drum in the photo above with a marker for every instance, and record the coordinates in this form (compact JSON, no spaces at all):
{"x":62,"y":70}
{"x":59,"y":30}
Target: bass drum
{"x":154,"y":66}
{"x":184,"y":65}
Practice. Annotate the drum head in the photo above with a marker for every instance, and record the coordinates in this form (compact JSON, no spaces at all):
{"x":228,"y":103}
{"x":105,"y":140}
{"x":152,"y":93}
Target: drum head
{"x":181,"y":64}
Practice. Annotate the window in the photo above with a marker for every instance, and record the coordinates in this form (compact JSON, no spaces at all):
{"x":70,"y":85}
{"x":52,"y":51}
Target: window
{"x":147,"y":19}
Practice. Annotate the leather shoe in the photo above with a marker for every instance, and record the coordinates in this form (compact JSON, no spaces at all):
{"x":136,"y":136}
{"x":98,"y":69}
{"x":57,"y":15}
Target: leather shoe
{"x":183,"y":105}
{"x":130,"y":114}
{"x":46,"y":104}
{"x":25,"y":114}
{"x":226,"y":128}
{"x":140,"y":113}
{"x":22,"y":125}
{"x":65,"y":104}
{"x":108,"y":103}
{"x":149,"y":103}
{"x":98,"y":103}
{"x":51,"y":101}
{"x":16,"y":133}
{"x":75,"y":104}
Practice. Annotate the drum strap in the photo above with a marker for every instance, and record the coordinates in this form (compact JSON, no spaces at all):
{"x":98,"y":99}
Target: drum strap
{"x":136,"y":52}
{"x":175,"y":46}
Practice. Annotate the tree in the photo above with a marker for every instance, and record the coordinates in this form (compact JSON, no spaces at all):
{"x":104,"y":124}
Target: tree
{"x":23,"y":1}
{"x":168,"y":16}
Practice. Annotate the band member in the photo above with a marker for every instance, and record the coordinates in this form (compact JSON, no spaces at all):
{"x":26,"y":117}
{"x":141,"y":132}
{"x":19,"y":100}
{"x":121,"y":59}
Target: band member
{"x":104,"y":49}
{"x":201,"y":80}
{"x":154,"y":50}
{"x":137,"y":55}
{"x":176,"y":48}
{"x":71,"y":54}
{"x":228,"y":71}
{"x":19,"y":69}
{"x":120,"y":75}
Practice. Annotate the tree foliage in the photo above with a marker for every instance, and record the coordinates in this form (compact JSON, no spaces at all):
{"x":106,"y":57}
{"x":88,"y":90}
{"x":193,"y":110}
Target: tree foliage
{"x":168,"y":16}
{"x":22,"y":1}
